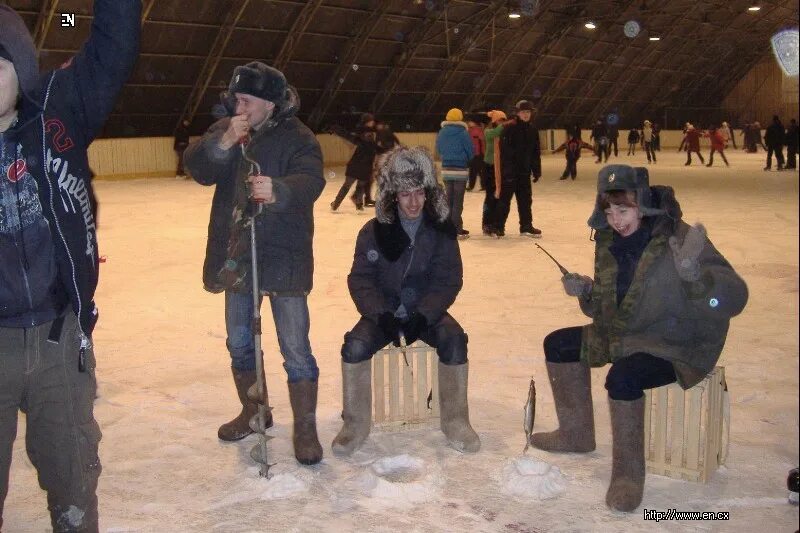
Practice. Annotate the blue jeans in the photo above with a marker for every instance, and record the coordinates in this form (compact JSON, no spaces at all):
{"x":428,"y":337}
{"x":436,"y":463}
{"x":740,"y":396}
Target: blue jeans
{"x":292,"y":323}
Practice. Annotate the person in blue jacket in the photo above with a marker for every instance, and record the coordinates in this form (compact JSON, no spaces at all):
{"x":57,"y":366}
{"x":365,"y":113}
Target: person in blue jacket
{"x":455,"y":148}
{"x":48,"y":252}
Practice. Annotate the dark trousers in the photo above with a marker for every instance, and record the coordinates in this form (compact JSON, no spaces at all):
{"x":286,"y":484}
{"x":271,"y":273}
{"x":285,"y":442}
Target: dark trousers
{"x":631,"y":148}
{"x":627,"y":378}
{"x":179,"y":151}
{"x":651,"y":153}
{"x":519,"y":186}
{"x":368,"y":189}
{"x":778,"y":151}
{"x":455,"y":200}
{"x":40,"y":375}
{"x":446,"y":336}
{"x":475,"y":168}
{"x":571,"y":169}
{"x":489,"y":202}
{"x":689,"y":157}
{"x":358,"y":195}
{"x":721,"y":154}
{"x":791,"y":156}
{"x":601,"y":150}
{"x":612,"y":142}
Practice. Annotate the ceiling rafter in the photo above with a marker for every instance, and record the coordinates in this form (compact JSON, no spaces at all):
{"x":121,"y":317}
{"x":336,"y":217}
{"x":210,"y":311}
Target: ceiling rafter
{"x":295,"y":33}
{"x":43,"y":20}
{"x":402,"y":61}
{"x":455,"y":60}
{"x":599,"y":70}
{"x":348,"y":60}
{"x":233,"y":14}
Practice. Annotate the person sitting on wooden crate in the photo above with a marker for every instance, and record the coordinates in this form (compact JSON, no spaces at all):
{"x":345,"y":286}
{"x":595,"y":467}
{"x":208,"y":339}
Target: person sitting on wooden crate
{"x":661,"y":301}
{"x":406,"y":273}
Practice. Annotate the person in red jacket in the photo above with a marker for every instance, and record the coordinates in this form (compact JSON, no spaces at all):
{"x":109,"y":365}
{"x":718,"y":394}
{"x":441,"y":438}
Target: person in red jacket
{"x":475,"y":131}
{"x":692,"y":141}
{"x":717,"y":145}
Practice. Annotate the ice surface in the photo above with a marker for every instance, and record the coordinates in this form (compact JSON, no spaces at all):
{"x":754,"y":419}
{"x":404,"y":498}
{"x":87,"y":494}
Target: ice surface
{"x":165,"y":385}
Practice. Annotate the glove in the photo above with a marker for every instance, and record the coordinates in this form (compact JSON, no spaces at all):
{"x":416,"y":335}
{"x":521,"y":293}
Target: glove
{"x":414,"y":327}
{"x":390,"y":326}
{"x":577,"y":285}
{"x":685,"y":256}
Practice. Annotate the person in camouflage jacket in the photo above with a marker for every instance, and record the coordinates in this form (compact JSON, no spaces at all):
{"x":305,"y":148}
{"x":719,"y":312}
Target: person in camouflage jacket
{"x":661,"y":301}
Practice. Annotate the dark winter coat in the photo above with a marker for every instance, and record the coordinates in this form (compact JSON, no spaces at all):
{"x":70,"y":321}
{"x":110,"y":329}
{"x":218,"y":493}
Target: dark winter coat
{"x":775,"y":135}
{"x":69,"y":107}
{"x":289,"y":153}
{"x":519,"y":151}
{"x":454,"y":144}
{"x":792,"y":136}
{"x":388,"y":270}
{"x":683,"y":322}
{"x":572,"y":149}
{"x":692,"y":141}
{"x":365,"y":141}
{"x":633,"y":136}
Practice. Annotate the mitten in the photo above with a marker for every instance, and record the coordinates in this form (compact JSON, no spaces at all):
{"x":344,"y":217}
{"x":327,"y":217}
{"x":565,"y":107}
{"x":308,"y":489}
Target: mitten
{"x":686,"y":256}
{"x":577,"y":285}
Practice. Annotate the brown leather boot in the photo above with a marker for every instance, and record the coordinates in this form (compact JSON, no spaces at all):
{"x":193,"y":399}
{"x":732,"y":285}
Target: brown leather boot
{"x":572,"y":393}
{"x":303,"y":397}
{"x":628,"y":467}
{"x":239,"y":427}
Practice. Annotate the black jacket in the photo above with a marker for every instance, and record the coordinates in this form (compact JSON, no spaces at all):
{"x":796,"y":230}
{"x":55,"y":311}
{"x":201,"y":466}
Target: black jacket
{"x":388,"y":270}
{"x":519,"y":151}
{"x":360,"y":164}
{"x":69,"y":106}
{"x":775,"y":135}
{"x":289,"y":153}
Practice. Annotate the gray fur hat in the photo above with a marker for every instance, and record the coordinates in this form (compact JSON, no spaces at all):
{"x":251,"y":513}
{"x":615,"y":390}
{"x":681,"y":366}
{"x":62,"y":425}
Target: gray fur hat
{"x":261,"y":81}
{"x":405,"y":169}
{"x":623,"y":178}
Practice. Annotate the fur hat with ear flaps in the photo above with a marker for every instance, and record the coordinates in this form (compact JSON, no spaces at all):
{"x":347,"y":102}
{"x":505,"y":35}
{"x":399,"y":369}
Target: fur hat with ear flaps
{"x":261,"y":81}
{"x":406,"y":169}
{"x":623,"y":178}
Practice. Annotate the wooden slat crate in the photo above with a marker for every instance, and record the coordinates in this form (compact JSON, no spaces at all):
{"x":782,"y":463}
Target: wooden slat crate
{"x":400,"y":393}
{"x":683,"y":430}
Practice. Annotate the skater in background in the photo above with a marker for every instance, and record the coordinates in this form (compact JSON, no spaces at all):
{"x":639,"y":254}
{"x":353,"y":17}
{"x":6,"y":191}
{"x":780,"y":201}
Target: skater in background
{"x":774,"y":139}
{"x":520,"y":162}
{"x":180,"y":144}
{"x":572,"y":151}
{"x":600,"y":137}
{"x":385,"y":139}
{"x":48,"y":253}
{"x":647,"y":141}
{"x":660,"y":302}
{"x":454,"y":145}
{"x":613,"y":138}
{"x":717,"y":145}
{"x":791,"y":145}
{"x":289,"y":182}
{"x":406,"y":274}
{"x":359,"y":167}
{"x":656,"y":138}
{"x":727,"y":135}
{"x":633,"y":140}
{"x":691,"y":140}
{"x":492,"y":132}
{"x":478,"y":151}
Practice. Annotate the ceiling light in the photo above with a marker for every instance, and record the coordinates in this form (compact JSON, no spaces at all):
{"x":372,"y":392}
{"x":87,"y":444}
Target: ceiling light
{"x":590,"y":25}
{"x":655,"y":38}
{"x":514,"y":15}
{"x":754,"y":8}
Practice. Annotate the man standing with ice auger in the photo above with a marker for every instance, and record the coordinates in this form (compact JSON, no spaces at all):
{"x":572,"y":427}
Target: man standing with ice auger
{"x":48,"y":253}
{"x":262,"y":132}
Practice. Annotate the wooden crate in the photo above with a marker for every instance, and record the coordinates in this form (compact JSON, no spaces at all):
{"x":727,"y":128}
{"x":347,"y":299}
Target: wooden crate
{"x":400,"y":393}
{"x":686,"y":431}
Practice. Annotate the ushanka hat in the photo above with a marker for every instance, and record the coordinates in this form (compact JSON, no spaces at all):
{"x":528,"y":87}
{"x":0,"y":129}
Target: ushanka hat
{"x":623,"y":178}
{"x":261,"y":81}
{"x":406,"y":169}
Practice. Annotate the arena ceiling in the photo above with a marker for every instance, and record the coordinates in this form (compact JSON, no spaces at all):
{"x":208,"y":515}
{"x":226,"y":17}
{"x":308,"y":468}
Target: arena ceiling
{"x":409,"y":61}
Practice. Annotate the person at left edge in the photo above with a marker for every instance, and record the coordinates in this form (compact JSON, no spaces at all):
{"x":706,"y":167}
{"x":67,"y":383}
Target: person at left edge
{"x":49,"y":255}
{"x":290,"y":181}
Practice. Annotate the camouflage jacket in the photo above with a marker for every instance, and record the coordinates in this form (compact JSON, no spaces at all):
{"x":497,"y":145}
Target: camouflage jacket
{"x":683,"y":322}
